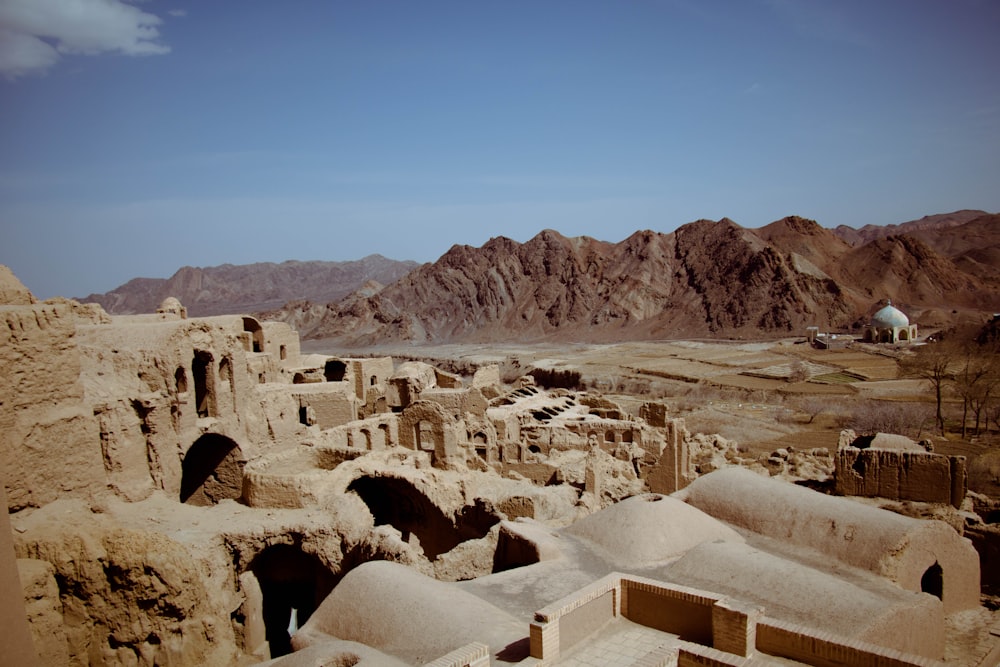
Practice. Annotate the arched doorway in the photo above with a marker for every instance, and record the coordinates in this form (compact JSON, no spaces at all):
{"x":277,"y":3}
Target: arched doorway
{"x":293,"y":584}
{"x":212,"y":470}
{"x":933,"y":581}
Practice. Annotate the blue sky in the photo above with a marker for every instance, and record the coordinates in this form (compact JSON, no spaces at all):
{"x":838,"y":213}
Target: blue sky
{"x":136,"y":138}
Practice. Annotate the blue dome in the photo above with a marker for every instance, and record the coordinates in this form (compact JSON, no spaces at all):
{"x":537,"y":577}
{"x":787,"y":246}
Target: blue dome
{"x":890,"y":317}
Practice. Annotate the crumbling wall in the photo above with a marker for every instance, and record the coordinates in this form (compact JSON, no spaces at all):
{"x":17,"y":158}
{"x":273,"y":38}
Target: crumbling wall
{"x":133,"y":597}
{"x":901,"y":475}
{"x":425,"y":426}
{"x":673,"y":470}
{"x":49,"y":442}
{"x":330,"y":405}
{"x":369,"y":374}
{"x":282,"y":342}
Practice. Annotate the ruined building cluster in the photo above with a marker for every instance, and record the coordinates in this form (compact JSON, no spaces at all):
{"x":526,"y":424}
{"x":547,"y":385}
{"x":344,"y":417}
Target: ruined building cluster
{"x":193,"y":491}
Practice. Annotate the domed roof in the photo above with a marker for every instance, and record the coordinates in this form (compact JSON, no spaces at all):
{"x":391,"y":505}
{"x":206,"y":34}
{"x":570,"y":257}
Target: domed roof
{"x":889,"y":318}
{"x":649,"y":529}
{"x":170,"y":305}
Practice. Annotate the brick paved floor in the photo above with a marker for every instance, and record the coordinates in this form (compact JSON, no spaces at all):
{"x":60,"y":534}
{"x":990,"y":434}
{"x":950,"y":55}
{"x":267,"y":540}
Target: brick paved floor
{"x":619,"y":644}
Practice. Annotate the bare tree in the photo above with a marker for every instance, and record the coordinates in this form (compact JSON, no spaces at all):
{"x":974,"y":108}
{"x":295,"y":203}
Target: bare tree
{"x":904,"y":418}
{"x":813,"y":406}
{"x":932,"y":362}
{"x":982,"y":393}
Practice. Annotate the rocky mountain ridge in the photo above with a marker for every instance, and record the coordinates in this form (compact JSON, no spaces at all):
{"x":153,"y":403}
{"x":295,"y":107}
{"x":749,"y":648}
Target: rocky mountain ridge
{"x":248,"y":288}
{"x":712,"y":279}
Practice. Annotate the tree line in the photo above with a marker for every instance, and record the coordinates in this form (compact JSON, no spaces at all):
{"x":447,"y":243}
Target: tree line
{"x":963,"y":364}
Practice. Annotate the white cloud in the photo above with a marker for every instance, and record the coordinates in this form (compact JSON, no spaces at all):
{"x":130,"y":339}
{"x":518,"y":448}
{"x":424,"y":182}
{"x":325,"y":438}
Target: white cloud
{"x":34,"y":33}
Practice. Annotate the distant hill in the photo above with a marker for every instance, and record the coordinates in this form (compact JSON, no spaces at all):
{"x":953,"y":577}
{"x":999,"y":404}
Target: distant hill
{"x":249,"y":288}
{"x":934,"y":224}
{"x":712,"y":279}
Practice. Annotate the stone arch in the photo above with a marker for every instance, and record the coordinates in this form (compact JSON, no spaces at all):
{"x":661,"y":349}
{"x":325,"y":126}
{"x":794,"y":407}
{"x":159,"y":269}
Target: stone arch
{"x":932,"y":581}
{"x":256,"y":338}
{"x":609,"y":436}
{"x":212,"y":470}
{"x":367,"y":435}
{"x":293,"y":583}
{"x":397,"y":502}
{"x":335,"y":370}
{"x":203,"y":369}
{"x":904,"y":334}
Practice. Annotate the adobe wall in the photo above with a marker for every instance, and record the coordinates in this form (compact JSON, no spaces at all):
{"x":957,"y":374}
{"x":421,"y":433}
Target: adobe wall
{"x":282,"y":342}
{"x":425,"y":426}
{"x":901,"y":475}
{"x":49,"y":439}
{"x":16,"y":647}
{"x":369,"y":373}
{"x":672,"y":470}
{"x":331,"y":405}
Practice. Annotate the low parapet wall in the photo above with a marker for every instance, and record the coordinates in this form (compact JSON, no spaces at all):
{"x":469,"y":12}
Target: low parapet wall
{"x":901,"y":475}
{"x":711,"y":629}
{"x":788,"y":640}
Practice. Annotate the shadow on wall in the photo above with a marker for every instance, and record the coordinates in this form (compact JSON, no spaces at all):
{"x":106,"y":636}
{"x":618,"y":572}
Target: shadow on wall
{"x":212,"y":470}
{"x":398,"y":503}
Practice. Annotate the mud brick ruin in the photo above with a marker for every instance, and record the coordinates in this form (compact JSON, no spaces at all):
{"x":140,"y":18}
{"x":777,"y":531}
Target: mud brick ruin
{"x":194,"y":491}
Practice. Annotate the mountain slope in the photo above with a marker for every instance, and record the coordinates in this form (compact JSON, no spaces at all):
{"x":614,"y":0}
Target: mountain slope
{"x":250,"y":287}
{"x":932,"y":223}
{"x":706,"y":278}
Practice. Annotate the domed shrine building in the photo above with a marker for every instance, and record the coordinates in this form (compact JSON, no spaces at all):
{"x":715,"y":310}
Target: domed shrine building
{"x":890,"y":325}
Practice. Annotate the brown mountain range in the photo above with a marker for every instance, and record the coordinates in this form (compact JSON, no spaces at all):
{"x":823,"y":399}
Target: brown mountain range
{"x":707,"y":278}
{"x":247,"y":288}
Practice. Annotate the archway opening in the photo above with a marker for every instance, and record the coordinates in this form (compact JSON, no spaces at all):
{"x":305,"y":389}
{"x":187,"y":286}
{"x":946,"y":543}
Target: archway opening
{"x":398,"y":503}
{"x":293,"y":584}
{"x":212,"y":470}
{"x":933,"y":581}
{"x":204,"y":383}
{"x":335,"y":370}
